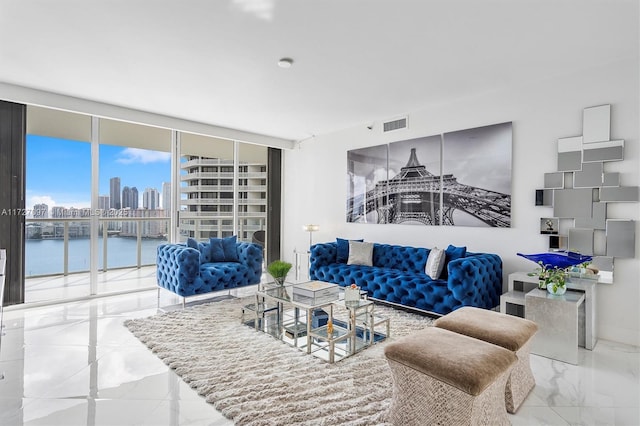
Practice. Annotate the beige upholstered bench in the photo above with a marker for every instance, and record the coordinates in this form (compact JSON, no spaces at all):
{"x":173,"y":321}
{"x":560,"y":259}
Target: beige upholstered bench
{"x":510,"y":332}
{"x":442,"y":377}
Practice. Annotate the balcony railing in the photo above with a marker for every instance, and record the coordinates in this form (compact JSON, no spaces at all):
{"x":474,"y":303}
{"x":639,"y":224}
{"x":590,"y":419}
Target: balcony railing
{"x":222,"y":188}
{"x":62,"y":245}
{"x":222,"y":175}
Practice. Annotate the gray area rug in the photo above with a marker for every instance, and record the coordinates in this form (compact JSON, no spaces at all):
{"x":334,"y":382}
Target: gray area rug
{"x":255,"y":379}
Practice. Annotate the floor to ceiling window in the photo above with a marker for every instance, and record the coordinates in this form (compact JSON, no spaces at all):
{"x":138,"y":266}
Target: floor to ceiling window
{"x":223,"y":189}
{"x":206,"y":190}
{"x":134,"y":195}
{"x":252,"y":193}
{"x":57,"y":201}
{"x":117,"y":212}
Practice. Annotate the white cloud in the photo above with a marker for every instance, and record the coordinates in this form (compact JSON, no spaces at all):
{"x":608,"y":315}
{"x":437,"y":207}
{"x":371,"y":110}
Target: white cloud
{"x":64,"y":200}
{"x":143,"y":156}
{"x":40,"y":199}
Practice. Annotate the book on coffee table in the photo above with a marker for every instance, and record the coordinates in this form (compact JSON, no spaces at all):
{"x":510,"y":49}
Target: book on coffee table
{"x":315,"y":292}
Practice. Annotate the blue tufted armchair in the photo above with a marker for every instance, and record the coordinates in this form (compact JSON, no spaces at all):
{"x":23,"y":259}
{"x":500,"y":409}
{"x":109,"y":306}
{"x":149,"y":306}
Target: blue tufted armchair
{"x":188,"y":271}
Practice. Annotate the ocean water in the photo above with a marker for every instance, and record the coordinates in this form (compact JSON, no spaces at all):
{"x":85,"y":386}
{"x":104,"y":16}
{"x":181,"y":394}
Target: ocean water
{"x":44,"y":257}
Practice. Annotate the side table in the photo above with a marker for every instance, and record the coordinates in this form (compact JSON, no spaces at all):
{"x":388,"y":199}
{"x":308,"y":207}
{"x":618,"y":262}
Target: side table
{"x":520,"y":283}
{"x":558,"y":323}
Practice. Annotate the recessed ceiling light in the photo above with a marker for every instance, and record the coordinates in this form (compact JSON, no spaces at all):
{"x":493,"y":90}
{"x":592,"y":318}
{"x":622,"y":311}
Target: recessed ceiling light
{"x":285,"y":62}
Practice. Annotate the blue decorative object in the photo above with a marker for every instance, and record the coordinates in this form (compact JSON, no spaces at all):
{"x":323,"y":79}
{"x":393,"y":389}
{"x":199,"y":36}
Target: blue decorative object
{"x":559,"y":260}
{"x":186,"y":271}
{"x":398,"y":276}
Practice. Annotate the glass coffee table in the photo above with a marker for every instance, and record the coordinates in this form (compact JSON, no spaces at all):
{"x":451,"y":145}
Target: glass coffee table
{"x":313,"y":327}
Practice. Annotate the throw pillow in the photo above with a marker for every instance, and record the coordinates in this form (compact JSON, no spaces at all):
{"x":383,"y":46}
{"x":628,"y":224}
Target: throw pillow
{"x":342,"y":249}
{"x":230,"y":248}
{"x":216,"y":250}
{"x":192,"y":242}
{"x":224,"y":249}
{"x":435,"y":263}
{"x":452,"y":253}
{"x":360,"y":253}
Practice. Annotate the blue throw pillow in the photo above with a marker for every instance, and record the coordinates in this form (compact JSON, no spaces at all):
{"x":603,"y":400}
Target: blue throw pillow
{"x":224,"y":249}
{"x":216,"y":250}
{"x":342,"y":252}
{"x":452,"y":253}
{"x":193,"y":243}
{"x":230,"y":248}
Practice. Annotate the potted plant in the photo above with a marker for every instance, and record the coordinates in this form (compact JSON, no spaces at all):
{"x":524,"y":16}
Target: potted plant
{"x":279,"y":269}
{"x":556,"y":281}
{"x":552,"y":278}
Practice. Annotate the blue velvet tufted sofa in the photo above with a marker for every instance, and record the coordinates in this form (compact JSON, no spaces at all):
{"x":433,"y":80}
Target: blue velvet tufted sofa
{"x":398,"y":276}
{"x":188,"y":271}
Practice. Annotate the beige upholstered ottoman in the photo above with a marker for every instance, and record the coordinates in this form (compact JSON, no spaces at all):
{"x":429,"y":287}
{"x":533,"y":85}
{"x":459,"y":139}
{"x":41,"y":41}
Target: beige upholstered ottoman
{"x":504,"y":330}
{"x":442,"y":377}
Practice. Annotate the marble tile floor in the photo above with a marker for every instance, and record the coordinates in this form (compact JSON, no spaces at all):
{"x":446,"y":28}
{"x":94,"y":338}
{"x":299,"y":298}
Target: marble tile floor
{"x":75,"y":364}
{"x":73,"y":286}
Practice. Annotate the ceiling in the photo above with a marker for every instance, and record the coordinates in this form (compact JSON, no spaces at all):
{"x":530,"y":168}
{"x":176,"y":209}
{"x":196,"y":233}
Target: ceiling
{"x":355,"y":61}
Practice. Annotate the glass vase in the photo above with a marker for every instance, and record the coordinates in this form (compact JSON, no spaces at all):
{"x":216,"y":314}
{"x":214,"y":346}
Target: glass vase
{"x":555,"y":289}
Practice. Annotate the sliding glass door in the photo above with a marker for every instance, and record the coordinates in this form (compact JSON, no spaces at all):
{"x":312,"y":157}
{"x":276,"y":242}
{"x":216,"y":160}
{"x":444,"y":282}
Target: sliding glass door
{"x":134,"y":197}
{"x":58,"y":203}
{"x":207,"y":204}
{"x":103,"y":194}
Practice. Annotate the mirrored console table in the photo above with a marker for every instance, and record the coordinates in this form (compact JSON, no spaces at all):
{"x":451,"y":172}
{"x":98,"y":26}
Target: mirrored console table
{"x":560,"y":329}
{"x":513,"y":302}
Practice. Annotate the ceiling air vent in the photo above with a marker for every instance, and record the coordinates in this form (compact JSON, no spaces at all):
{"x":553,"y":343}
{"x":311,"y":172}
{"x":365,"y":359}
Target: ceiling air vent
{"x":398,"y":124}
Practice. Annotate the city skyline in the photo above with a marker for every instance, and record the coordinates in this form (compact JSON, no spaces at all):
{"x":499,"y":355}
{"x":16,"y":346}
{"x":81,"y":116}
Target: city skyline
{"x":58,"y":171}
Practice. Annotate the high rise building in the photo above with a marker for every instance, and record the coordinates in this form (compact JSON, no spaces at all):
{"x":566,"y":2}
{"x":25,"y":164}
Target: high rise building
{"x":148,"y":228}
{"x":134,"y":198}
{"x":40,"y":211}
{"x":207,"y":207}
{"x":130,"y":197}
{"x":58,"y":212}
{"x":166,"y":198}
{"x":103,"y":203}
{"x":151,"y":199}
{"x":114,"y":193}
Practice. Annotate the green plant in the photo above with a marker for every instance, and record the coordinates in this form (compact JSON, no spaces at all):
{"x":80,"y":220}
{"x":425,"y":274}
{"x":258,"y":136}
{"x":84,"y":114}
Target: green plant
{"x":278,"y":268}
{"x":555,"y":277}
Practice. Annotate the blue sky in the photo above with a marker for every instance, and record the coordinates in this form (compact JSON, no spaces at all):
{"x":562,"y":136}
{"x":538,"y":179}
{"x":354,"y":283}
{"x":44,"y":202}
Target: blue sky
{"x":59,"y":170}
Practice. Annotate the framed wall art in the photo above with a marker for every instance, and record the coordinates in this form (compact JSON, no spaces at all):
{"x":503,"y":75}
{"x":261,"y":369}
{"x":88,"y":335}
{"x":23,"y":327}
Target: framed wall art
{"x":458,"y":178}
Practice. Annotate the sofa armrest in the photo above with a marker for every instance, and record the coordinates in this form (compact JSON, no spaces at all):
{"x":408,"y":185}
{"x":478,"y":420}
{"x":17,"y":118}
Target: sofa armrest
{"x":177,"y":266}
{"x":476,"y":280}
{"x":322,"y":254}
{"x":250,"y":254}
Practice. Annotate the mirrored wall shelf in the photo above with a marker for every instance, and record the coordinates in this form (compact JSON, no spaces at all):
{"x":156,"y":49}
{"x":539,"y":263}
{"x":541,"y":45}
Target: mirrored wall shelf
{"x":580,"y":190}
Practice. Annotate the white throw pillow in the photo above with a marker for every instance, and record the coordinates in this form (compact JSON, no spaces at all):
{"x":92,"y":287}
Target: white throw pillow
{"x":360,"y":253}
{"x":435,"y":263}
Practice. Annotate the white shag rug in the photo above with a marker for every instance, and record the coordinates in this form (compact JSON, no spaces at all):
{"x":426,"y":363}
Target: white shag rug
{"x":254,"y":379}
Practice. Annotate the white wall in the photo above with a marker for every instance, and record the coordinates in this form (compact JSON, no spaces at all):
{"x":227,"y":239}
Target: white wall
{"x":542,"y":111}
